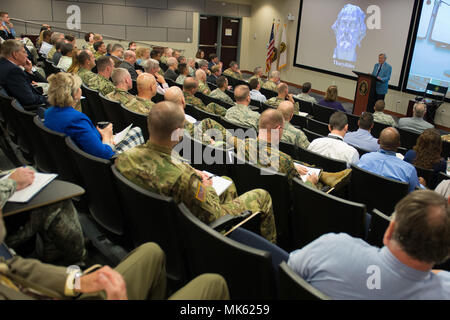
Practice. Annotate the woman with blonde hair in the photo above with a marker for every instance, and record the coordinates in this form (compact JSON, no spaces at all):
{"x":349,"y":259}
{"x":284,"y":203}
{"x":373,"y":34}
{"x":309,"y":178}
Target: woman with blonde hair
{"x":142,"y":54}
{"x":76,"y":64}
{"x":63,"y":94}
{"x":330,"y":99}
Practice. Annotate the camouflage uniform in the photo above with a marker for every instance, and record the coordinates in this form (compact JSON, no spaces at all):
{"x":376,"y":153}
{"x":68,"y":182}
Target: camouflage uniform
{"x":180,"y":79}
{"x":130,"y":101}
{"x":162,"y":171}
{"x":51,"y":53}
{"x":203,"y":88}
{"x":270,"y":85}
{"x":163,"y":59}
{"x":242,"y":116}
{"x":260,"y":80}
{"x":96,"y":81}
{"x":90,"y":46}
{"x":97,"y":54}
{"x":57,"y":224}
{"x":211,"y":108}
{"x":275,"y":101}
{"x":305,"y":97}
{"x":381,"y":117}
{"x":233,"y":74}
{"x":294,"y":136}
{"x":219,"y":94}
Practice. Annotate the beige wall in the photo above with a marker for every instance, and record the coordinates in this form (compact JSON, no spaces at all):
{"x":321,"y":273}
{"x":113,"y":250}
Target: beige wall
{"x":256,"y":32}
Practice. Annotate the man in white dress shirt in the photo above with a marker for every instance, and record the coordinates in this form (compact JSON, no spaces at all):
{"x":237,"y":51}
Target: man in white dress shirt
{"x":333,"y":146}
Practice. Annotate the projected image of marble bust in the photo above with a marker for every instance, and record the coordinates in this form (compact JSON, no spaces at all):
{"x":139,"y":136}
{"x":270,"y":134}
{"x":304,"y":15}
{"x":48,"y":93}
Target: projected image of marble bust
{"x":350,"y":30}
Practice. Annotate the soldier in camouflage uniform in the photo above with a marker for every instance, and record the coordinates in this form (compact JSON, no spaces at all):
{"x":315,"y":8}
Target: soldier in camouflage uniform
{"x":272,"y":83}
{"x":233,"y":71}
{"x":57,"y":224}
{"x":283,"y":95}
{"x":190,"y":86}
{"x":240,"y":113}
{"x":122,"y":80}
{"x":257,"y":74}
{"x":155,"y":167}
{"x":290,"y":133}
{"x":200,"y":76}
{"x":100,"y":49}
{"x":380,"y":116}
{"x":105,"y":67}
{"x":219,"y":93}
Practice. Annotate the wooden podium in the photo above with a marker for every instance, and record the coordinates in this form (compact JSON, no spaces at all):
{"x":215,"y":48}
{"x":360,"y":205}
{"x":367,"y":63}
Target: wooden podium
{"x":365,"y":93}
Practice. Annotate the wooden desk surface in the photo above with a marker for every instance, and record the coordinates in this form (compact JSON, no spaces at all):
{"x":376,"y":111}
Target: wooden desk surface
{"x":55,"y":191}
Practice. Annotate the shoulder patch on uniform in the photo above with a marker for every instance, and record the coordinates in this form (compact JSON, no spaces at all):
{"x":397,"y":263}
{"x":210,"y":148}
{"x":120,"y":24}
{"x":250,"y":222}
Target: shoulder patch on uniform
{"x":201,"y":192}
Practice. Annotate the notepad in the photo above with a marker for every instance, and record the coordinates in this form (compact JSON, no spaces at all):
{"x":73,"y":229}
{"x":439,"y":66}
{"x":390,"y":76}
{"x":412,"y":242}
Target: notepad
{"x":118,"y":137}
{"x":311,"y":171}
{"x":218,"y":183}
{"x":302,"y":114}
{"x":40,"y":181}
{"x":190,"y":118}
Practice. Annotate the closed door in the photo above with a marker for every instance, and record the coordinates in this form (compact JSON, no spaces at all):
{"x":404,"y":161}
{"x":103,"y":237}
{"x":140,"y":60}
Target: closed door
{"x":208,"y":35}
{"x":229,"y":40}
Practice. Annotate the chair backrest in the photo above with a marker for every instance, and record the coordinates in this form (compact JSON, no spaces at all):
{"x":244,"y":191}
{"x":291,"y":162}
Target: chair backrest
{"x":441,"y":177}
{"x":249,"y":177}
{"x":19,"y":118}
{"x":50,"y":68}
{"x":289,"y":149}
{"x":102,"y":195}
{"x":408,"y":138}
{"x":133,"y":89}
{"x":59,"y":152}
{"x":360,"y":150}
{"x":429,"y":175}
{"x":163,"y":66}
{"x":365,"y":184}
{"x":152,"y":218}
{"x":377,"y":128}
{"x":192,"y":111}
{"x":305,"y":106}
{"x":211,"y":85}
{"x":137,"y":119}
{"x":293,"y":287}
{"x":316,"y":213}
{"x":201,"y":114}
{"x":318,"y":127}
{"x":248,"y":271}
{"x":352,"y":122}
{"x":251,"y":133}
{"x":114,"y":113}
{"x":255,"y":103}
{"x":299,"y":121}
{"x":379,"y":222}
{"x":268,"y":93}
{"x":95,"y":104}
{"x":327,"y":164}
{"x":322,"y":113}
{"x":445,"y":149}
{"x":207,"y":100}
{"x":158,"y":98}
{"x":311,"y":135}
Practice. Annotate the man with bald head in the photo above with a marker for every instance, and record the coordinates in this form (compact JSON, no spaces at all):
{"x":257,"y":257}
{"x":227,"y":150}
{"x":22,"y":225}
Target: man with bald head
{"x":156,"y":167}
{"x":283,"y":95}
{"x":190,"y":87}
{"x":200,"y":76}
{"x":385,"y":162}
{"x":129,"y":59}
{"x":122,"y":81}
{"x":172,"y":64}
{"x":240,"y":114}
{"x":290,"y":133}
{"x":416,"y":123}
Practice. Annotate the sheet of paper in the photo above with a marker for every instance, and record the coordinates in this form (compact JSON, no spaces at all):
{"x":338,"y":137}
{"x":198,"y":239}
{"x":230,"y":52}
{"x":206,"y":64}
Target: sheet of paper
{"x":190,"y":119}
{"x":399,"y":155}
{"x":218,"y":183}
{"x":302,"y":114}
{"x":121,"y":135}
{"x":40,"y":181}
{"x":310,"y":171}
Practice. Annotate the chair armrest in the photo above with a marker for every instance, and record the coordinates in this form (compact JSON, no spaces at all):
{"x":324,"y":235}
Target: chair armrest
{"x":226,"y":222}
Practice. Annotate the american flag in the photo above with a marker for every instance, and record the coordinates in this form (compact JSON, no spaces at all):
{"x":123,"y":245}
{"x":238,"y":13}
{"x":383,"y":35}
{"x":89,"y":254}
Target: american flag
{"x":270,"y":49}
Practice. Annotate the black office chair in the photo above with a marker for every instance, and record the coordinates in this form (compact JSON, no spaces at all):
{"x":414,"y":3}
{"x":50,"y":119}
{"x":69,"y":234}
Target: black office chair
{"x":311,"y":135}
{"x":365,"y":184}
{"x":268,"y":93}
{"x":377,"y":128}
{"x":316,"y":213}
{"x":305,"y":106}
{"x":327,"y":164}
{"x":248,"y":272}
{"x":137,"y":119}
{"x":250,"y":177}
{"x":318,"y":127}
{"x":95,"y":104}
{"x":300,"y":121}
{"x":322,"y":113}
{"x":408,"y":138}
{"x":293,"y":287}
{"x":378,"y":225}
{"x":113,"y":111}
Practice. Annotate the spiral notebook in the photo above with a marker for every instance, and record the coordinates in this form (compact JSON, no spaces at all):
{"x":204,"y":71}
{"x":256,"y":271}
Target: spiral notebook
{"x":25,"y":195}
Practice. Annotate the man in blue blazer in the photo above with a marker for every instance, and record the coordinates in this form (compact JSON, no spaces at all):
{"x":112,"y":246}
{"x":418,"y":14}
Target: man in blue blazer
{"x":382,"y":71}
{"x":16,"y":81}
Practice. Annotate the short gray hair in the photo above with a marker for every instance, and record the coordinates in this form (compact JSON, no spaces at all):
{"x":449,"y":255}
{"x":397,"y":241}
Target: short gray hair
{"x":10,"y":46}
{"x":419,"y":110}
{"x":202,"y":63}
{"x":274,"y":74}
{"x":55,"y":37}
{"x":119,"y":75}
{"x":150,"y":64}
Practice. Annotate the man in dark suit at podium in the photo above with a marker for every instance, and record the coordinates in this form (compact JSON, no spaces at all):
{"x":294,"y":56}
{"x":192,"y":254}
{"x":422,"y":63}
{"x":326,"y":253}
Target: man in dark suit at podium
{"x":382,"y":71}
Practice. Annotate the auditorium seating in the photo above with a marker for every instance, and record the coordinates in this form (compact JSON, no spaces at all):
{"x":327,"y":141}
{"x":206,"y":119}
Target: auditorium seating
{"x":137,"y":119}
{"x":113,"y":112}
{"x":268,"y":93}
{"x":207,"y":100}
{"x":311,"y":135}
{"x":305,"y":106}
{"x":322,"y":113}
{"x":379,"y":222}
{"x":94,"y":104}
{"x":327,"y":164}
{"x":299,"y":121}
{"x":318,"y":127}
{"x":407,"y":138}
